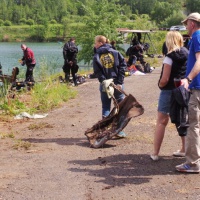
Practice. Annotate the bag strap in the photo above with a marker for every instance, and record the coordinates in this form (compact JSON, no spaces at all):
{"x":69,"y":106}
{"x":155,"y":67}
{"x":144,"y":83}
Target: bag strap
{"x":119,"y":89}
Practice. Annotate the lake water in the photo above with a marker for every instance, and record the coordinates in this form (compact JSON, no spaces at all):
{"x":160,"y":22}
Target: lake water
{"x":48,"y":53}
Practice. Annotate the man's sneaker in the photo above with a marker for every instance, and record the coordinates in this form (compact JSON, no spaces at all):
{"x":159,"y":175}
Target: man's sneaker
{"x":121,"y":134}
{"x":188,"y":168}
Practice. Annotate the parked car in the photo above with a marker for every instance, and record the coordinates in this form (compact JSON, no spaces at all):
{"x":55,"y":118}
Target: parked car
{"x":178,"y":28}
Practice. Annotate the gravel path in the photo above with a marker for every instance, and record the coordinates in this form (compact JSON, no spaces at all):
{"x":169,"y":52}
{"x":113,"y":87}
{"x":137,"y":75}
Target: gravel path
{"x":59,"y":165}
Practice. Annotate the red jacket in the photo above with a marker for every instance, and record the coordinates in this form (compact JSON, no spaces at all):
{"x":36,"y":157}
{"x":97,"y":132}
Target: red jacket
{"x":28,"y":57}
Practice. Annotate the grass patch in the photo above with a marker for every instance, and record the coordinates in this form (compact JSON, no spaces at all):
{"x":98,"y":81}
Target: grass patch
{"x":6,"y":135}
{"x":43,"y":97}
{"x":50,"y":94}
{"x":19,"y":144}
{"x":39,"y":126}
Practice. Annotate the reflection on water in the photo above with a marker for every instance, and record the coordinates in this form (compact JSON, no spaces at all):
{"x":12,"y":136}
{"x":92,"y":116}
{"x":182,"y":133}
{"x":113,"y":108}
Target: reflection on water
{"x":49,"y":54}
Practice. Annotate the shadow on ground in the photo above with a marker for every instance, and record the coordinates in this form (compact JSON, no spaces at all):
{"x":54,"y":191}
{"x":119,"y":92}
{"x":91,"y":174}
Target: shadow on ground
{"x":122,"y":169}
{"x":65,"y":141}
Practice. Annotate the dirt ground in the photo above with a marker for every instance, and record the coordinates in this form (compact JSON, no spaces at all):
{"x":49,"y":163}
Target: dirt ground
{"x":60,"y":165}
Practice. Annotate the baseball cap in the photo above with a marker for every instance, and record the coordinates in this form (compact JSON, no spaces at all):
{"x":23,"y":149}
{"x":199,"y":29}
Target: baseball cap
{"x":193,"y":16}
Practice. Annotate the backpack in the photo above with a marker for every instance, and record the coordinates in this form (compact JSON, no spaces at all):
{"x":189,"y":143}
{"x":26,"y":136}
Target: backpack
{"x":80,"y":79}
{"x":140,"y":68}
{"x":147,"y":68}
{"x":144,"y":67}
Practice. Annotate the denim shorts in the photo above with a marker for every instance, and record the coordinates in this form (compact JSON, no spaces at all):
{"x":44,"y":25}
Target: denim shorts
{"x":164,"y":101}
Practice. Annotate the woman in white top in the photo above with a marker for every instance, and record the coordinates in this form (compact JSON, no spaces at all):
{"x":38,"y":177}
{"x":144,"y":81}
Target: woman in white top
{"x":174,"y":66}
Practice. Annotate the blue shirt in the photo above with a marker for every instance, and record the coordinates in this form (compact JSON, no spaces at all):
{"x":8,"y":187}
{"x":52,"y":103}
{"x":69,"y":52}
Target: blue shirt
{"x":193,"y":49}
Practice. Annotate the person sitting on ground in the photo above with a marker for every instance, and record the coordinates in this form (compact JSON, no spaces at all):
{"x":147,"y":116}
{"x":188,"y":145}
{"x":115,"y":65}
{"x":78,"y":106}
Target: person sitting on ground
{"x":135,"y":53}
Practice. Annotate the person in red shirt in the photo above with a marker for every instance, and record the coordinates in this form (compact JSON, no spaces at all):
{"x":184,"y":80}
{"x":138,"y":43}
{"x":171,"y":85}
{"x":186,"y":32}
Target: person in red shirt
{"x":28,"y":59}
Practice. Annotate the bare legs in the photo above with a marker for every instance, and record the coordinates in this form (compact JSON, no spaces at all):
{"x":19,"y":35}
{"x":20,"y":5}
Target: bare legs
{"x":183,"y":145}
{"x":162,"y":121}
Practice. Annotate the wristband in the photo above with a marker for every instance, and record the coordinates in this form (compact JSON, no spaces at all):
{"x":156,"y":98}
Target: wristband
{"x":189,"y":80}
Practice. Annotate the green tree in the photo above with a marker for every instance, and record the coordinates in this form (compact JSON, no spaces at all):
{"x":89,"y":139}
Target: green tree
{"x":53,"y":21}
{"x":103,"y":18}
{"x":1,"y":22}
{"x":14,"y":10}
{"x":161,"y":11}
{"x":145,"y":6}
{"x":3,"y":9}
{"x":16,"y":14}
{"x":30,"y":22}
{"x":173,"y":20}
{"x":139,"y":6}
{"x":193,"y":5}
{"x":7,"y":23}
{"x":65,"y":22}
{"x":22,"y":21}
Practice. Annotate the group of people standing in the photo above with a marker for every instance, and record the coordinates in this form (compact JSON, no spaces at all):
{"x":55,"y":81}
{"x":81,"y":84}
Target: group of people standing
{"x":185,"y":65}
{"x":70,"y":51}
{"x":108,"y":63}
{"x":178,"y":63}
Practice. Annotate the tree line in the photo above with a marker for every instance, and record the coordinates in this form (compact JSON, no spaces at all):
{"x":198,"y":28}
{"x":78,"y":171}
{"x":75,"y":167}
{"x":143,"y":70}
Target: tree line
{"x":50,"y":11}
{"x":85,"y":19}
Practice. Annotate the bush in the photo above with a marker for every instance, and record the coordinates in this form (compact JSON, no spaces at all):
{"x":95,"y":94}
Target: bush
{"x":53,"y":21}
{"x":174,"y":19}
{"x":7,"y":23}
{"x":65,"y":21}
{"x":1,"y":22}
{"x":144,"y":16}
{"x":133,"y":17}
{"x":50,"y":94}
{"x":22,"y":21}
{"x":123,"y":18}
{"x":30,"y":22}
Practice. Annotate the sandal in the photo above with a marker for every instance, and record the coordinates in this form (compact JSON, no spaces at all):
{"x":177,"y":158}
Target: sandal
{"x":179,"y":154}
{"x":154,"y":157}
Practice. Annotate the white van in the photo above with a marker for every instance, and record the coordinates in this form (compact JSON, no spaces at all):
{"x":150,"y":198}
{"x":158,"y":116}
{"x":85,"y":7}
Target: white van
{"x":178,"y":28}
